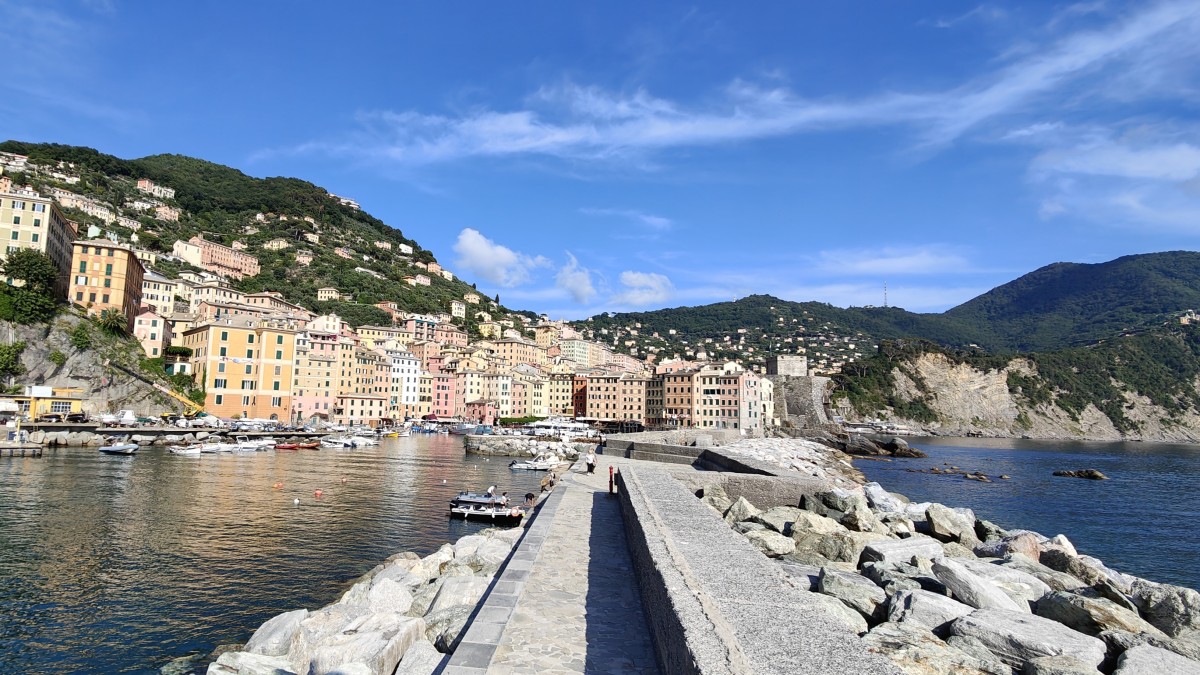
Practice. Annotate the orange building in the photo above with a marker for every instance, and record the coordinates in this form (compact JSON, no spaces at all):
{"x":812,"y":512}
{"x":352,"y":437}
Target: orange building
{"x":246,"y":365}
{"x":106,"y":275}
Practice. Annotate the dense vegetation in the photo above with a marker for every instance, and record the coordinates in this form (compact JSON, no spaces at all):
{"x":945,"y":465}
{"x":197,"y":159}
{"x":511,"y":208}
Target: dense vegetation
{"x":221,"y":204}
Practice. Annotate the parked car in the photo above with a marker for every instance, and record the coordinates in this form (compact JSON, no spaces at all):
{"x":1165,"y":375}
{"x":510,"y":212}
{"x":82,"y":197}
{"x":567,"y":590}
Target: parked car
{"x":49,"y":418}
{"x":76,"y":418}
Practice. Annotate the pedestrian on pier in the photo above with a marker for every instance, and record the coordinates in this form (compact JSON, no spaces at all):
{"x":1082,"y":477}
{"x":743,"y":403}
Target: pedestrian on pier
{"x":591,"y":461}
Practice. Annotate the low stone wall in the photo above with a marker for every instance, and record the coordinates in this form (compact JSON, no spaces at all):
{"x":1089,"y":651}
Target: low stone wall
{"x":696,"y":437}
{"x":521,"y":446}
{"x":713,"y":602}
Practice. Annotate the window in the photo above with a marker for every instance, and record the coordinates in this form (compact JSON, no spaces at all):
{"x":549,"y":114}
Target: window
{"x":107,"y":282}
{"x":275,"y":385}
{"x":222,"y":351}
{"x":79,"y":296}
{"x":18,"y":206}
{"x":224,"y":335}
{"x":278,"y":339}
{"x":278,"y":354}
{"x":35,"y":237}
{"x":16,"y":235}
{"x":81,"y":280}
{"x":278,"y":369}
{"x":219,"y":383}
{"x":82,"y":265}
{"x":39,"y":208}
{"x":108,"y":268}
{"x":218,"y":399}
{"x":247,"y":384}
{"x":220,"y":367}
{"x":249,"y":353}
{"x":250,"y":339}
{"x":245,"y":400}
{"x":37,"y":222}
{"x":110,"y":253}
{"x":276,"y":401}
{"x":104,"y":298}
{"x":91,"y":297}
{"x":60,"y":406}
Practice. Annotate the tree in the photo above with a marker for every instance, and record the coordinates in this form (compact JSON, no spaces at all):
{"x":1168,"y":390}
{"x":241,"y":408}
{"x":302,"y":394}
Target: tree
{"x":35,"y":270}
{"x":112,"y":321}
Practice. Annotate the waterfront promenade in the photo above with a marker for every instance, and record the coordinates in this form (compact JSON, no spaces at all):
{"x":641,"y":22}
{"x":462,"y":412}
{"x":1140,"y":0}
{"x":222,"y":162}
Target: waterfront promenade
{"x":578,"y":609}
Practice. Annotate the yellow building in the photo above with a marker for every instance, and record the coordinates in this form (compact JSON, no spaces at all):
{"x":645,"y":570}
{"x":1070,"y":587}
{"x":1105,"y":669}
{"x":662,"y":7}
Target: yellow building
{"x":28,"y":220}
{"x":106,"y":275}
{"x":246,"y":366}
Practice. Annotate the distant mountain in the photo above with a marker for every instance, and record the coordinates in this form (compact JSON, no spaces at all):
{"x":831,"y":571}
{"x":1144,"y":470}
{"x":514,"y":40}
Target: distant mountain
{"x":1057,"y":306}
{"x":1070,"y":303}
{"x":351,"y":250}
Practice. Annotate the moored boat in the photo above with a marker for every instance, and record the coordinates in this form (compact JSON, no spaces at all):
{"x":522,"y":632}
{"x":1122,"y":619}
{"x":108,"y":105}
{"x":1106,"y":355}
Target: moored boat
{"x":119,"y":449}
{"x":539,"y":463}
{"x":309,"y":445}
{"x":192,"y":449}
{"x":471,"y":506}
{"x":287,"y":446}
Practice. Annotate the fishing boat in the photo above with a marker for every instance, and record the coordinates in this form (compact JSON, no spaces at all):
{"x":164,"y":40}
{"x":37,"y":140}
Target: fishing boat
{"x":338,"y":442}
{"x":192,"y":449}
{"x":309,"y":445}
{"x":470,"y":506}
{"x":287,"y":446}
{"x":540,"y":463}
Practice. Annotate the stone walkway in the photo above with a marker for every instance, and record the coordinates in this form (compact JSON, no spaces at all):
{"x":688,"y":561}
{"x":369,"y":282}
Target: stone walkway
{"x":580,"y":611}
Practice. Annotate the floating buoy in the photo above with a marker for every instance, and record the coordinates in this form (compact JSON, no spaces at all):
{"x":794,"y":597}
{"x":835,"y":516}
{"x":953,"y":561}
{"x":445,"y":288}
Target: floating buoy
{"x":318,"y":493}
{"x":278,"y":485}
{"x":296,"y":502}
{"x":443,"y":481}
{"x":344,"y":479}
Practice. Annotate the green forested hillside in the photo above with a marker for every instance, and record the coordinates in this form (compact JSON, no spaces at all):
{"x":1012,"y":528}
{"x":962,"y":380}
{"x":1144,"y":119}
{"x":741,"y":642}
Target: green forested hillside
{"x":221,"y":204}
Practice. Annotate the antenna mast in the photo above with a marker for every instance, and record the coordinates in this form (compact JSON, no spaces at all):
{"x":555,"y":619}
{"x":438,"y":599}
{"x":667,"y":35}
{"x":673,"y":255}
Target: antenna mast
{"x":885,"y":295}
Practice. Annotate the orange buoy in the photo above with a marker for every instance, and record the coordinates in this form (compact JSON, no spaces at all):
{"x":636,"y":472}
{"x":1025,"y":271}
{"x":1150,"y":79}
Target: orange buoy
{"x":318,"y":493}
{"x":278,"y":485}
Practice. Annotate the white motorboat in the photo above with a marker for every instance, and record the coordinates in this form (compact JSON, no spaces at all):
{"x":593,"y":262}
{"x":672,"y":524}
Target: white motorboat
{"x":339,"y":442}
{"x":470,"y":506}
{"x":192,"y":450}
{"x":119,"y":449}
{"x":543,"y":462}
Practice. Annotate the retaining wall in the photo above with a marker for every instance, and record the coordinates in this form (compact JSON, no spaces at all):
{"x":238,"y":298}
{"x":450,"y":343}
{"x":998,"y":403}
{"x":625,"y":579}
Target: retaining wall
{"x":714,"y":603}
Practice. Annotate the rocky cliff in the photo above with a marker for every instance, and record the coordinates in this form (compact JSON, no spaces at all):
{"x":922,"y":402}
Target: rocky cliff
{"x":965,"y":400}
{"x":51,"y":359}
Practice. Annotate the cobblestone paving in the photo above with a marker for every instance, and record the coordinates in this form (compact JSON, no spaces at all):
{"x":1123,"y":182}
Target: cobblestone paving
{"x":580,"y":611}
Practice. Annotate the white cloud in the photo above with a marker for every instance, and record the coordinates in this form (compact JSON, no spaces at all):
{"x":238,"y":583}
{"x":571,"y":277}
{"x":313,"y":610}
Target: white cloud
{"x":581,"y":122}
{"x":576,"y":280}
{"x":493,"y":262}
{"x":649,"y":220}
{"x":1174,"y":162}
{"x":643,"y":288}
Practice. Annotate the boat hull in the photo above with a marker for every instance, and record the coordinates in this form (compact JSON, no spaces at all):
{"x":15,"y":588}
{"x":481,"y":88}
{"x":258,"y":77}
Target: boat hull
{"x":123,"y":449}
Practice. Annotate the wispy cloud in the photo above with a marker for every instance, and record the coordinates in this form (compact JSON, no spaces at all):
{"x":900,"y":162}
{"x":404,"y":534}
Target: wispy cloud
{"x":647,"y":219}
{"x":494,"y":262}
{"x":576,"y":280}
{"x":572,"y":121}
{"x":979,"y":12}
{"x":893,"y":261}
{"x":643,"y":289}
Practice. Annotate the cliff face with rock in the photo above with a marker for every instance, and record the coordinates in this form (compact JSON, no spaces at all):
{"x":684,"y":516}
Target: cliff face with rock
{"x":51,"y":359}
{"x":964,"y":400}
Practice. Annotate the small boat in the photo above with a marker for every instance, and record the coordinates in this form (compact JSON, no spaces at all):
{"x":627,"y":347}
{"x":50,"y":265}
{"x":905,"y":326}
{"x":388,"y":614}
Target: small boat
{"x":310,"y":445}
{"x":190,"y":450}
{"x":539,"y":463}
{"x":338,"y":442}
{"x":119,"y":449}
{"x":287,"y":446}
{"x":470,"y":506}
{"x":463,"y":429}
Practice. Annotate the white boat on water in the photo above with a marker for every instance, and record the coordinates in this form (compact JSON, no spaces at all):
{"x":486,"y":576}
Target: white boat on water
{"x":192,"y":450}
{"x":119,"y":449}
{"x":543,"y":462}
{"x":339,"y":442}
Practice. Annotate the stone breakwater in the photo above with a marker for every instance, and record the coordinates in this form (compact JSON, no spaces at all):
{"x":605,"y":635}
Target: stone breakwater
{"x":937,"y":590}
{"x":523,"y":446}
{"x":401,"y":617}
{"x":90,"y":439}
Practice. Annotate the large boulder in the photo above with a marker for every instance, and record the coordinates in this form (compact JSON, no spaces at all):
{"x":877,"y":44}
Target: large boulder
{"x":741,"y":510}
{"x":780,"y":518}
{"x":916,"y":651}
{"x":893,"y":551}
{"x":1060,"y":560}
{"x":1122,"y":640}
{"x":972,"y":589}
{"x":459,"y":591}
{"x":839,"y":612}
{"x":274,"y":637}
{"x":467,"y":545}
{"x":1057,"y":665}
{"x":839,"y":546}
{"x":803,"y":576}
{"x":771,"y":543}
{"x":1175,"y":610}
{"x":881,"y":500}
{"x":891,"y":578}
{"x":1156,"y":661}
{"x":950,"y":524}
{"x":422,"y":658}
{"x":807,"y":521}
{"x":1018,"y":638}
{"x":389,"y":596}
{"x":856,"y":591}
{"x":1091,"y":615}
{"x":443,"y":627}
{"x":1017,"y":584}
{"x":1055,"y":580}
{"x":320,"y":625}
{"x":249,"y":663}
{"x":1026,"y":543}
{"x":377,"y":641}
{"x":487,"y":558}
{"x":931,"y":610}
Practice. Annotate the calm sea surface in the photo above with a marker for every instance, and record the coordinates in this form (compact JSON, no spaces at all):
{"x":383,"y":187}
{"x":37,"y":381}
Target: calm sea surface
{"x":123,"y":564}
{"x":1144,"y":521}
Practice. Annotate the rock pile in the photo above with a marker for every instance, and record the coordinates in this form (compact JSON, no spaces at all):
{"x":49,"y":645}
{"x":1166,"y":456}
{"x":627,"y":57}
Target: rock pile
{"x":523,"y":446}
{"x":809,"y":458}
{"x":398,"y":618}
{"x":937,"y":590}
{"x":1090,"y":474}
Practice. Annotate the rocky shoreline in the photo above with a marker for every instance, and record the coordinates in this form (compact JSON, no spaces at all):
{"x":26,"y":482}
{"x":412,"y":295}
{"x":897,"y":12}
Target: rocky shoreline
{"x":401,"y":617}
{"x":523,"y":446}
{"x":937,"y":590}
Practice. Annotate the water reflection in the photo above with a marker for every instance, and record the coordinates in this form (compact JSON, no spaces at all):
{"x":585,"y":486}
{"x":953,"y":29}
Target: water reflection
{"x":119,"y":564}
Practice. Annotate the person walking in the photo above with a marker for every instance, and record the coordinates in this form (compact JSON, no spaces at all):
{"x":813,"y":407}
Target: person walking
{"x":591,"y":461}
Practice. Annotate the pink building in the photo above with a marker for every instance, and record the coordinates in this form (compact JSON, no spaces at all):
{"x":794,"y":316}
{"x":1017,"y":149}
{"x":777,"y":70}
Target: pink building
{"x":443,"y":395}
{"x":481,"y":411}
{"x":153,"y":332}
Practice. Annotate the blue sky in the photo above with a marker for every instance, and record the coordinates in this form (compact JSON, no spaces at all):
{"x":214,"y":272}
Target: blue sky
{"x":578,"y":158}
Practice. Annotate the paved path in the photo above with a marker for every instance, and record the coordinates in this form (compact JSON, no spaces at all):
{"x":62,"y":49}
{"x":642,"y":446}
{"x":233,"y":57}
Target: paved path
{"x":580,"y":611}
